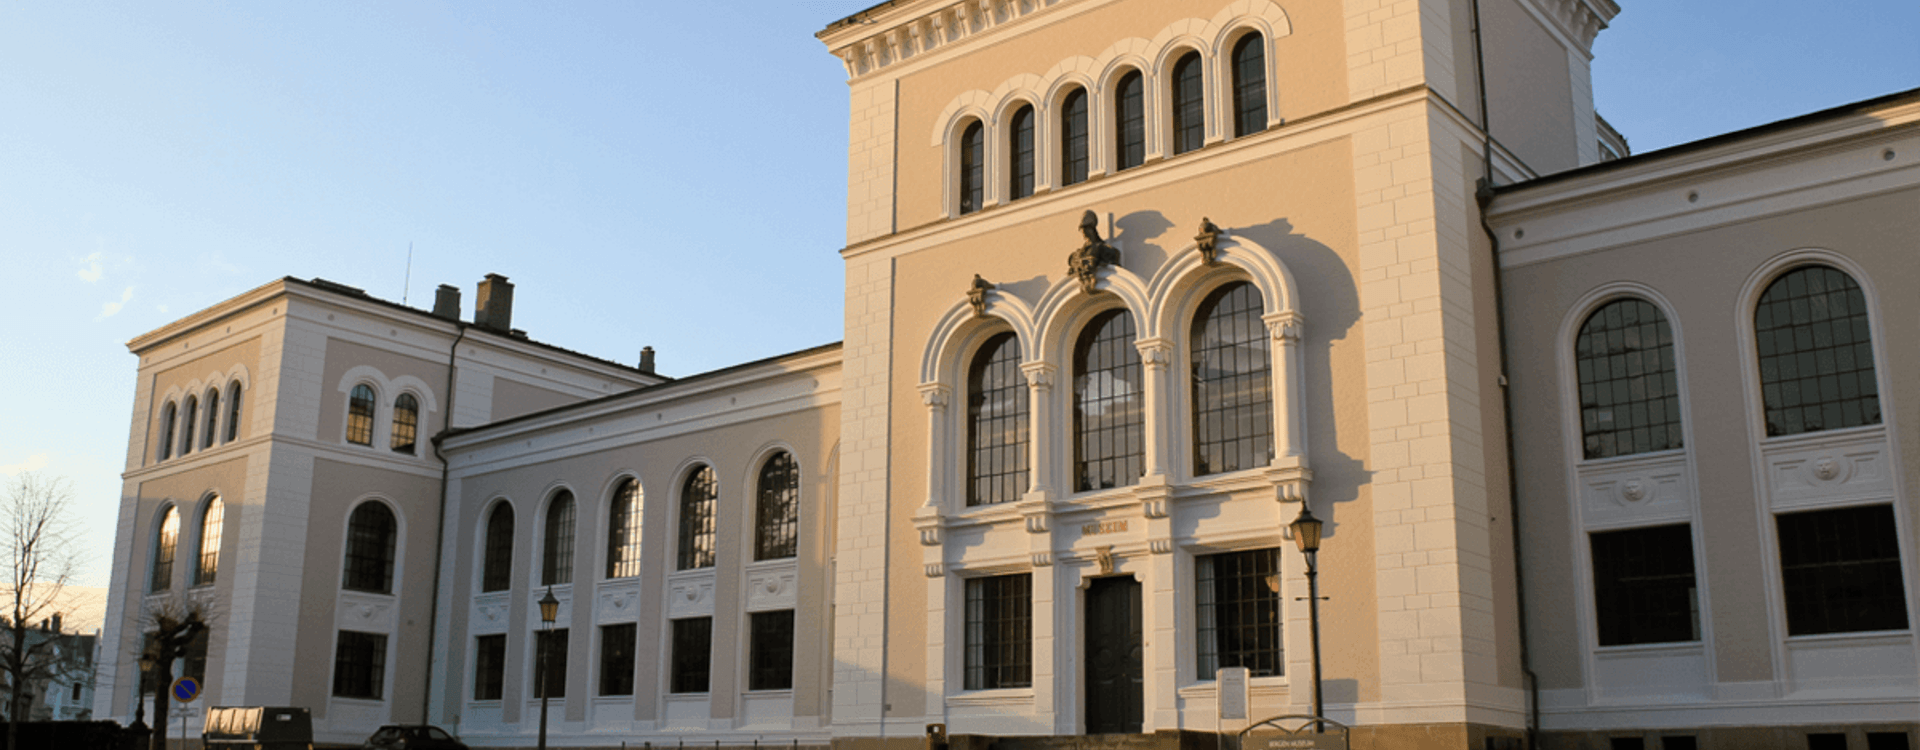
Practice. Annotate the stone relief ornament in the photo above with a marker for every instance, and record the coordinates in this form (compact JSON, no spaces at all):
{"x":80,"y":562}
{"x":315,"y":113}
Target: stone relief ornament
{"x":1104,"y":558}
{"x":1634,"y":491}
{"x":1085,"y":263}
{"x":977,"y":295}
{"x":1826,"y":468}
{"x":1208,"y":240}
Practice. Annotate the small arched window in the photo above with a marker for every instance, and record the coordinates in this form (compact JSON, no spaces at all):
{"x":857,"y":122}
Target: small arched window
{"x":189,"y":414}
{"x":1020,"y":154}
{"x":697,"y":500}
{"x":496,"y":567}
{"x":1130,"y":121}
{"x":973,"y":180}
{"x":623,"y":531}
{"x":556,"y":563}
{"x":406,"y":423}
{"x":168,"y":416}
{"x":165,"y":543}
{"x":776,"y":528}
{"x":1073,"y":137}
{"x":233,"y":412}
{"x":996,"y":423}
{"x":1629,"y":386}
{"x":212,"y":430}
{"x":1812,"y":333}
{"x":212,"y":521}
{"x":360,"y":415}
{"x":1109,"y":409}
{"x":370,"y":539}
{"x":1189,"y":105}
{"x":1249,"y":85}
{"x":1232,"y":383}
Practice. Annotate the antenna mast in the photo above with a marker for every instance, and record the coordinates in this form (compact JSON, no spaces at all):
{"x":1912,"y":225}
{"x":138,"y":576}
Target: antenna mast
{"x":406,"y":286}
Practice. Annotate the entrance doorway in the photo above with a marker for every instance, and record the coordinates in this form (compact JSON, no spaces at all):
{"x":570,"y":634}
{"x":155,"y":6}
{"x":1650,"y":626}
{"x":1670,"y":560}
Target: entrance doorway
{"x":1114,"y":688}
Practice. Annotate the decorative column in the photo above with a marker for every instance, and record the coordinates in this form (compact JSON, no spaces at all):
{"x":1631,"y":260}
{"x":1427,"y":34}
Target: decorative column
{"x":1040,"y":471}
{"x":1157,"y":355}
{"x":928,"y":520}
{"x":1289,"y":471}
{"x":1037,"y":513}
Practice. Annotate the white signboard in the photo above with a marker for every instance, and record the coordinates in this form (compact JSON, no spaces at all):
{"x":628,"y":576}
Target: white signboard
{"x":1232,"y":683}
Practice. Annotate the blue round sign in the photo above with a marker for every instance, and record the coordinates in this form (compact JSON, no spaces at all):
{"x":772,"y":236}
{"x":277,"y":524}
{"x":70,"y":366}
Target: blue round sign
{"x":186,"y":689}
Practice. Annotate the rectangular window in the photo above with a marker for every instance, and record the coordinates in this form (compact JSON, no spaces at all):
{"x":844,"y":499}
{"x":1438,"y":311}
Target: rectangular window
{"x":489,"y":666}
{"x":616,"y":659}
{"x":1841,"y":570}
{"x":360,"y":665}
{"x":692,"y":654}
{"x":1875,"y":740}
{"x":1643,"y":586}
{"x":1237,"y":608}
{"x":999,"y":639}
{"x":771,"y":658}
{"x":550,"y":663}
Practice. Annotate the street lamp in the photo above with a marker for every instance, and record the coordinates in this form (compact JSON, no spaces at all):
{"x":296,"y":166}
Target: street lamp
{"x":140,"y":705}
{"x":549,"y":609}
{"x":1306,"y":533}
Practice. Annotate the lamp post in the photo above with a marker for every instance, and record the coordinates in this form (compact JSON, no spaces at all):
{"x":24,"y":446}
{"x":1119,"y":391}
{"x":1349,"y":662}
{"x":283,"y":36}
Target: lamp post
{"x":549,"y":609}
{"x":140,"y":704}
{"x":1306,"y":533}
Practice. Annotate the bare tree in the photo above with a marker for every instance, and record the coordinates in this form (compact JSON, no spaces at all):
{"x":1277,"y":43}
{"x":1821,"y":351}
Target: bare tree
{"x":172,"y":625}
{"x":41,"y":560}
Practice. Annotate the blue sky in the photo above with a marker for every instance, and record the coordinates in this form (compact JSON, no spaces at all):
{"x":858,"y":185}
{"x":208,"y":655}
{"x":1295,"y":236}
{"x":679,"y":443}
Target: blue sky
{"x":647,"y":173}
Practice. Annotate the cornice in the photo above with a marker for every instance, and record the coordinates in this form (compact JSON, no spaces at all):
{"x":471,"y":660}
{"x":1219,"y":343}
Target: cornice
{"x":890,"y":33}
{"x":230,"y":307}
{"x":1579,"y":21}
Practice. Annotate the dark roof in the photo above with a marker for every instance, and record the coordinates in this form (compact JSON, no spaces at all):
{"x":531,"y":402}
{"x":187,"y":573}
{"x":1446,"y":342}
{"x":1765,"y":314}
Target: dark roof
{"x":851,"y":20}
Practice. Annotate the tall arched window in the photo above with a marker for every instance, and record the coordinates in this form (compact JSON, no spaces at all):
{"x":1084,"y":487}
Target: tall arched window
{"x":168,"y":415}
{"x":496,"y":567}
{"x":212,"y":522}
{"x":1130,"y":121}
{"x":370,"y":538}
{"x":996,"y":423}
{"x":1249,"y":85}
{"x":1629,"y":386}
{"x":1020,"y":154}
{"x":1109,"y":409}
{"x":212,"y":431}
{"x":360,"y":415}
{"x":1189,"y":105}
{"x":556,"y":562}
{"x":1816,"y":353}
{"x":233,"y":412}
{"x":165,"y":543}
{"x":1232,"y":383}
{"x":776,"y":527}
{"x":697,"y":499}
{"x":623,"y":531}
{"x":1073,"y":137}
{"x":406,"y":423}
{"x":973,"y":164}
{"x":189,"y":414}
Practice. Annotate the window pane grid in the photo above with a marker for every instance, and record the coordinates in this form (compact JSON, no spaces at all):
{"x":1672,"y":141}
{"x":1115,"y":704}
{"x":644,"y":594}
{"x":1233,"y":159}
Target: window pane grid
{"x":616,"y":659}
{"x":1841,"y":570}
{"x":557,"y":563}
{"x":1643,"y":586}
{"x":1232,"y":390}
{"x":359,"y":665}
{"x":497,"y":569}
{"x":999,"y":632}
{"x":1249,"y":85}
{"x":623,"y":533}
{"x":212,"y":427}
{"x":489,"y":667}
{"x":770,"y":663}
{"x":370,"y":549}
{"x":406,"y":423}
{"x":164,"y":547}
{"x":1021,"y":154}
{"x":211,"y":524}
{"x":1073,"y":138}
{"x":1238,"y":612}
{"x":167,"y":415}
{"x":692,"y":654}
{"x":996,"y":424}
{"x":1109,"y":413}
{"x":972,"y":168}
{"x":1130,"y":120}
{"x":697,"y":502}
{"x":777,"y":527}
{"x":188,"y":416}
{"x":233,"y":413}
{"x":360,"y":416}
{"x":1816,"y":353}
{"x":1629,"y":384}
{"x":1189,"y":103}
{"x":550,"y":663}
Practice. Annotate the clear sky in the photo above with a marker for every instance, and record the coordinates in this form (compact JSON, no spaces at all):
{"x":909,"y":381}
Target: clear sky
{"x":647,"y":173}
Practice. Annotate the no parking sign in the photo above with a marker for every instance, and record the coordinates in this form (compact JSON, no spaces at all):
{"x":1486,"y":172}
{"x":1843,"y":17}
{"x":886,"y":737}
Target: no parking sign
{"x":185,"y":689}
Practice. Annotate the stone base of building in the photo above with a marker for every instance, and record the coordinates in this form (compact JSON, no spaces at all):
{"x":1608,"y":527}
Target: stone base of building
{"x":1808,"y":737}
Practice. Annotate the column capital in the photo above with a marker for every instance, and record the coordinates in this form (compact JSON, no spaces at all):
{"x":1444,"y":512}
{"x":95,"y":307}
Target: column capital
{"x":1286,"y":327}
{"x":1039,"y":375}
{"x":935,"y":395}
{"x":1155,"y":353}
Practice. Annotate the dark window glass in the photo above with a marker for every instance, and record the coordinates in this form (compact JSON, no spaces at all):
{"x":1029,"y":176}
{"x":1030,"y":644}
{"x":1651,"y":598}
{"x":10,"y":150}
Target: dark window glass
{"x":194,"y":662}
{"x":550,"y":667}
{"x":212,"y":521}
{"x":616,"y":659}
{"x":1643,"y":586}
{"x":556,"y":565}
{"x":167,"y":414}
{"x":1827,"y":741}
{"x":1629,"y":386}
{"x":1109,"y":448}
{"x":165,"y":544}
{"x":996,"y":423}
{"x":692,"y":654}
{"x":360,"y":665}
{"x":1189,"y":105}
{"x":999,"y":639}
{"x":1888,"y":741}
{"x":1073,"y":137}
{"x":370,"y":532}
{"x":233,"y":412}
{"x":1237,"y":598}
{"x":1678,"y":742}
{"x":697,"y":500}
{"x":1841,"y":570}
{"x":211,"y":431}
{"x":777,"y":526}
{"x":489,"y":666}
{"x":1626,"y":743}
{"x":1020,"y":154}
{"x":406,"y":423}
{"x":496,"y":572}
{"x":623,"y":532}
{"x":189,"y":414}
{"x":1232,"y":386}
{"x":1249,"y":85}
{"x":1130,"y":121}
{"x":973,"y":179}
{"x":770,"y":665}
{"x":1816,"y":353}
{"x":360,"y":415}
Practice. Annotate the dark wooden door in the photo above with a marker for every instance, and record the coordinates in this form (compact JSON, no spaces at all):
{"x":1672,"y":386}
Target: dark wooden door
{"x":1114,"y":695}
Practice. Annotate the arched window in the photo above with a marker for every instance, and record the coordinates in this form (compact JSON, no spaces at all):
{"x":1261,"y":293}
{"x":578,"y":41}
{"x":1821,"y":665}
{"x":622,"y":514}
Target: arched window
{"x":1020,"y":154}
{"x":167,"y":418}
{"x":360,"y":415}
{"x":189,"y":414}
{"x":556,"y":564}
{"x":1130,"y":121}
{"x":164,"y":545}
{"x":1073,"y":137}
{"x":776,"y":528}
{"x":406,"y":423}
{"x":496,"y":567}
{"x":1109,"y":409}
{"x":212,"y":431}
{"x":212,"y":521}
{"x":1232,"y":383}
{"x":623,"y":531}
{"x":996,"y":423}
{"x":1249,"y":85}
{"x":973,"y":180}
{"x":370,"y":538}
{"x":1816,"y":353}
{"x":697,"y":499}
{"x":1189,"y":105}
{"x":233,"y":412}
{"x":1629,"y":386}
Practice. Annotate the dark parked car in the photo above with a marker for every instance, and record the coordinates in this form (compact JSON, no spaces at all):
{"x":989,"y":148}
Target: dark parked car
{"x":412,"y":737}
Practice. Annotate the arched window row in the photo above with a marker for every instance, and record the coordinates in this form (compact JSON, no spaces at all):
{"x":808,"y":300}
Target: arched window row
{"x":199,"y":420}
{"x":383,"y":413}
{"x":202,"y":557}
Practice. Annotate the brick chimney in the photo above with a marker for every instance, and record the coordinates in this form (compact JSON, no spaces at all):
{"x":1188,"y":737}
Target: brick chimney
{"x":446,"y":302}
{"x":646,"y":359}
{"x":493,"y":306}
